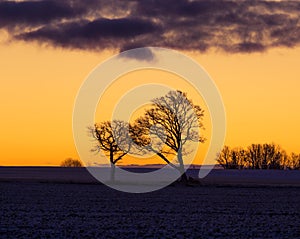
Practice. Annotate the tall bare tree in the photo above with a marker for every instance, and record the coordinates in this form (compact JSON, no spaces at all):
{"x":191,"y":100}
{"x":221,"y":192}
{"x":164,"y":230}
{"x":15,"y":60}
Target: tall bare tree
{"x":179,"y":120}
{"x":113,"y":139}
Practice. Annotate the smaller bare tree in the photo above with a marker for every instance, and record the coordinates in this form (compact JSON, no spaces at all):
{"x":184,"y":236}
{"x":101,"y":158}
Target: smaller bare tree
{"x":113,"y":139}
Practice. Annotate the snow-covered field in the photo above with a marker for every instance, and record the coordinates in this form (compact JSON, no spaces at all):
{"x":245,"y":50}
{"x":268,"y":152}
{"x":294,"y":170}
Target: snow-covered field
{"x":49,"y":210}
{"x":45,"y":209}
{"x":215,"y":177}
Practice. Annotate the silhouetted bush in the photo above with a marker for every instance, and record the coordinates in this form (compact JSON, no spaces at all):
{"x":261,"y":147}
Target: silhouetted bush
{"x":69,"y":162}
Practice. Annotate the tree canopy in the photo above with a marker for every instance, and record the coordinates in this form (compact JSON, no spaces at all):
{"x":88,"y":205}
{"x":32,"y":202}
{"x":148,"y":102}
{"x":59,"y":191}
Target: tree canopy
{"x":174,"y":121}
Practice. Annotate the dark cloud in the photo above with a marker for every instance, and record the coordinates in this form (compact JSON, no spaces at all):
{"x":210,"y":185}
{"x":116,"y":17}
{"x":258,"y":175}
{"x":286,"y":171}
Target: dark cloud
{"x":247,"y":47}
{"x":31,"y":13}
{"x":100,"y":33}
{"x":183,"y":8}
{"x":198,"y":25}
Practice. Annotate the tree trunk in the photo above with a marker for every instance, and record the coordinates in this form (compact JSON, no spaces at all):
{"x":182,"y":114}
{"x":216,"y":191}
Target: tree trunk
{"x":112,"y":166}
{"x":183,"y":177}
{"x":112,"y":172}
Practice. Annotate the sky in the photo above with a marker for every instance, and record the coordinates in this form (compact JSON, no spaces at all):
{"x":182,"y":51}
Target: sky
{"x":48,"y":48}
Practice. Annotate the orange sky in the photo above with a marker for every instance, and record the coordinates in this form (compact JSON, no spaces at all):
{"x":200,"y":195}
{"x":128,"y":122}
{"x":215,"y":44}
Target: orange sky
{"x":39,"y":85}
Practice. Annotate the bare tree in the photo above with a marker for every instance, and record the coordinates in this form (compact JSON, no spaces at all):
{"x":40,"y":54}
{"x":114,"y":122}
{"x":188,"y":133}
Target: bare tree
{"x":113,"y":139}
{"x":232,"y":158}
{"x":242,"y":157}
{"x":69,"y":162}
{"x":267,"y":156}
{"x":284,"y":159}
{"x":294,"y":161}
{"x":224,"y":157}
{"x":179,"y":120}
{"x":272,"y":156}
{"x":255,"y":156}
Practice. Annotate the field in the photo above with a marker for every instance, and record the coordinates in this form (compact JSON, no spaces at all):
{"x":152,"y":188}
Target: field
{"x":47,"y":209}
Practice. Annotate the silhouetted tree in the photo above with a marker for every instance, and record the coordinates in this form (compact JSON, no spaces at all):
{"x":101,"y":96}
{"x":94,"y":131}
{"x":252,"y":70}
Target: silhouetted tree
{"x":294,"y":161}
{"x":267,"y":156}
{"x":243,"y":155}
{"x":224,"y":157}
{"x":272,"y":156}
{"x":284,"y":160}
{"x":232,"y":158}
{"x":69,"y":162}
{"x":178,"y":119}
{"x":113,"y":139}
{"x":255,"y":156}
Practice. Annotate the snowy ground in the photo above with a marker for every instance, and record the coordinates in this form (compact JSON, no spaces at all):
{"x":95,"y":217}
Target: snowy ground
{"x":61,"y":210}
{"x":215,"y":177}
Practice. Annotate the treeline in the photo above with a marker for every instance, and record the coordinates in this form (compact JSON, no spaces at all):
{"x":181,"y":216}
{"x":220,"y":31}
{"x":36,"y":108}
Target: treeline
{"x":258,"y":156}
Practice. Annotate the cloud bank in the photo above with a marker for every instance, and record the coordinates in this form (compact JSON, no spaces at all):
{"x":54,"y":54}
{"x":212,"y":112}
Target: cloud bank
{"x":196,"y":25}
